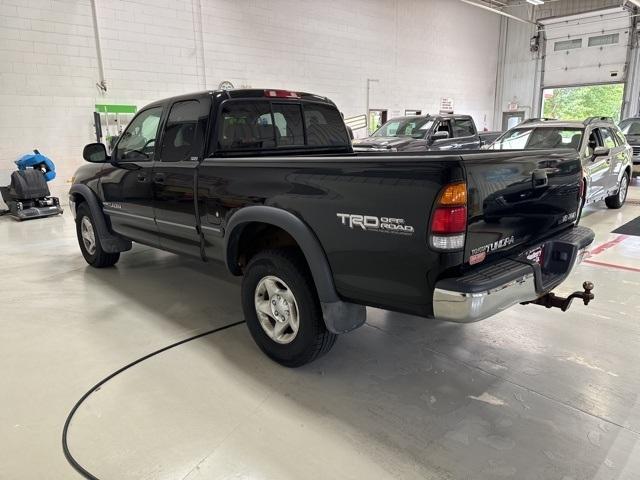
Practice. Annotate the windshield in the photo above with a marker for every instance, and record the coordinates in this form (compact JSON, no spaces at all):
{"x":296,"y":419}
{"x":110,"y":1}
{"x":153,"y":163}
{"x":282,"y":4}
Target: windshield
{"x":539,"y":138}
{"x":405,"y":127}
{"x":630,"y":127}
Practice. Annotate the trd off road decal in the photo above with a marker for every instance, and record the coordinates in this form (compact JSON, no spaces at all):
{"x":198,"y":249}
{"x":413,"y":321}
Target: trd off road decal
{"x":376,"y":224}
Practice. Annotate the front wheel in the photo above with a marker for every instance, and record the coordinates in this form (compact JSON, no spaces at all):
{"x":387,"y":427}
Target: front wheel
{"x":618,"y":199}
{"x":282,"y":309}
{"x":89,"y":240}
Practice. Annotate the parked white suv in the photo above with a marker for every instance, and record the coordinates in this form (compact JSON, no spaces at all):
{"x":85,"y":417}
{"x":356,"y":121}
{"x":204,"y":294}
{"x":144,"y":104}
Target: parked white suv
{"x":606,"y":155}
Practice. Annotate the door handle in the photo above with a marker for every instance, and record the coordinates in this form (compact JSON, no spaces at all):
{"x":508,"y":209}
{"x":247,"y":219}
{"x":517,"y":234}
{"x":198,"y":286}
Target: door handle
{"x":159,"y":177}
{"x":539,"y":178}
{"x":142,"y":177}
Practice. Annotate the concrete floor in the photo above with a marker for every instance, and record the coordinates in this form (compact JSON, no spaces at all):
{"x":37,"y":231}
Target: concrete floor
{"x":527,"y":394}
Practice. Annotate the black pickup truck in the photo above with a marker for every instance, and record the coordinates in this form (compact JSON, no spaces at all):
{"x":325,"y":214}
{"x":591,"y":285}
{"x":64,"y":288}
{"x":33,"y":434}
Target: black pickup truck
{"x":266,"y":181}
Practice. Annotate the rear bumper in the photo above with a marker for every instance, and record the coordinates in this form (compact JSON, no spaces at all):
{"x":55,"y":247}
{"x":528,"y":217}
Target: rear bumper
{"x":498,"y":286}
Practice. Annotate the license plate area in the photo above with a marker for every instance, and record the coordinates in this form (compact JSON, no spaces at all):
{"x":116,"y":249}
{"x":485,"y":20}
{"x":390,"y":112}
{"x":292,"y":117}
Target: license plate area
{"x":536,"y":255}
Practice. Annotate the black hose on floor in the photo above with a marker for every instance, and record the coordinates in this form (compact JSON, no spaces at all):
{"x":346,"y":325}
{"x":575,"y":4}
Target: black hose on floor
{"x":65,"y":447}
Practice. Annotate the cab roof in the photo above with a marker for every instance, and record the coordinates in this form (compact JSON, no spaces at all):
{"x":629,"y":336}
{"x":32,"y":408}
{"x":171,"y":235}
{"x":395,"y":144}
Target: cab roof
{"x":264,"y":93}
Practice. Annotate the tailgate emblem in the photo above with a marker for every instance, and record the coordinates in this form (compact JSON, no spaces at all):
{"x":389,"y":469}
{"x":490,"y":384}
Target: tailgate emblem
{"x":492,"y":247}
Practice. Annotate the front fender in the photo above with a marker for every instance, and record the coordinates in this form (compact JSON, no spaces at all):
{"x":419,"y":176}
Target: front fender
{"x":109,"y":241}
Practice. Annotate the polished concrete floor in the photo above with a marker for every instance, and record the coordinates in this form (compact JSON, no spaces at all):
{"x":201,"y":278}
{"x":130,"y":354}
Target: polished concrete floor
{"x":527,"y":394}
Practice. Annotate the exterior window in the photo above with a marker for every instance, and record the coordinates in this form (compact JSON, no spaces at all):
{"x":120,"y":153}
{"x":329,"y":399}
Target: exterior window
{"x":185,"y":130}
{"x":540,"y":138}
{"x":262,"y":125}
{"x":463,"y":127}
{"x":138,"y":142}
{"x":325,"y":127}
{"x":607,"y":138}
{"x":610,"y":39}
{"x":567,"y":44}
{"x":246,"y":126}
{"x":288,"y":122}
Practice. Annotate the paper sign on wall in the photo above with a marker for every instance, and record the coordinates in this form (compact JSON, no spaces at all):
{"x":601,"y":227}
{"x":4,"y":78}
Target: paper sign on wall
{"x":446,"y":105}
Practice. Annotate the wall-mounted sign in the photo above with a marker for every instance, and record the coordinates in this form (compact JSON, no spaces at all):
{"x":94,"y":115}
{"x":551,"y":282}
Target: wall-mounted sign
{"x":225,"y":85}
{"x":446,"y":105}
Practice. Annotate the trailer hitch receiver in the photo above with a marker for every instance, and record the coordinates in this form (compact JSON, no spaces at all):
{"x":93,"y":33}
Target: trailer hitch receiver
{"x":551,"y":300}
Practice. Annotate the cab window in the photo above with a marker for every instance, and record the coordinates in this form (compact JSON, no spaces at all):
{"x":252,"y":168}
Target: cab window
{"x":607,"y":138}
{"x":463,"y":127}
{"x":263,"y":125}
{"x":185,"y":130}
{"x":137,"y":143}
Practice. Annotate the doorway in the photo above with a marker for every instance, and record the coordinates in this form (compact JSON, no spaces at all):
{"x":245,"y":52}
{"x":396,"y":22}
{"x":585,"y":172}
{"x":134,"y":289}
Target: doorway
{"x":580,"y":102}
{"x":511,"y":119}
{"x":377,"y":118}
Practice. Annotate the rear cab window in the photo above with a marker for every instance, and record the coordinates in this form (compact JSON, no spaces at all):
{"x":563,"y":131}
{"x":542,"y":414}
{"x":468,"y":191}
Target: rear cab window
{"x":270,"y":126}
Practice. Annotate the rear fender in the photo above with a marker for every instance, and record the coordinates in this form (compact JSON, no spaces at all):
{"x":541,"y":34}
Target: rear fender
{"x":339,"y":316}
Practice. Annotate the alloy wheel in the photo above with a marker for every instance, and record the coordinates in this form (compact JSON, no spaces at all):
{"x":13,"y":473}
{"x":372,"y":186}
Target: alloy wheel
{"x":277,"y":309}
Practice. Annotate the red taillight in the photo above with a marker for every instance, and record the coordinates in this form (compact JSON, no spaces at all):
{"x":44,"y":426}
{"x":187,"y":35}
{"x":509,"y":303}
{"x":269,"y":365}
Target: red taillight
{"x":447,"y":220}
{"x":281,"y":94}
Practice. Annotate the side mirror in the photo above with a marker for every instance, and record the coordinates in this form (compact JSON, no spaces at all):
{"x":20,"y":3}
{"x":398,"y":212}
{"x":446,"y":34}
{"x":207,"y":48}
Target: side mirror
{"x":95,"y":153}
{"x":440,"y":135}
{"x":601,"y":152}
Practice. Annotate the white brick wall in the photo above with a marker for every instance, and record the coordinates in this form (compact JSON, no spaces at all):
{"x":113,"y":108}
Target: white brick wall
{"x":420,"y":50}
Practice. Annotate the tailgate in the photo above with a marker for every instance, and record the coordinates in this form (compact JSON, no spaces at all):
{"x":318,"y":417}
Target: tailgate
{"x":519,"y":197}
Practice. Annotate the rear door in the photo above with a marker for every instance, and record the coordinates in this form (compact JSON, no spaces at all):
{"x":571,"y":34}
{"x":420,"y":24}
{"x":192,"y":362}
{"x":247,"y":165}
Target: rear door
{"x":465,"y":133}
{"x":127,"y":182}
{"x":174,"y":175}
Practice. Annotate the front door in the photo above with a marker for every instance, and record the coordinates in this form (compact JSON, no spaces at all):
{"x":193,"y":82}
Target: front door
{"x":597,"y":167}
{"x":174,"y":175}
{"x":450,"y":143}
{"x":126,"y":182}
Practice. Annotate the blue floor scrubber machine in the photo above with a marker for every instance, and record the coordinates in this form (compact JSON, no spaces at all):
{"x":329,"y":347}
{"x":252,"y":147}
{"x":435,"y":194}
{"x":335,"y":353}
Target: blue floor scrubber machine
{"x":28,"y":195}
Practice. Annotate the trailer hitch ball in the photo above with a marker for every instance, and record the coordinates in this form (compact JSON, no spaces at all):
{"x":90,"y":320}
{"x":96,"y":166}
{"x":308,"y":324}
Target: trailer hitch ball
{"x":551,"y":300}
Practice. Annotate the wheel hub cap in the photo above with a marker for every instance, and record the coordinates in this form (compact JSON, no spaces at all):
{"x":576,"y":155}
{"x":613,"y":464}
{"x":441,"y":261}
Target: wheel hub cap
{"x":88,"y":235}
{"x":623,"y":189}
{"x":277,"y":309}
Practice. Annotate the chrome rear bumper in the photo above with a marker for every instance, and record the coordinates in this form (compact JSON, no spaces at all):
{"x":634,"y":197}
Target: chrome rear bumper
{"x":496,"y":287}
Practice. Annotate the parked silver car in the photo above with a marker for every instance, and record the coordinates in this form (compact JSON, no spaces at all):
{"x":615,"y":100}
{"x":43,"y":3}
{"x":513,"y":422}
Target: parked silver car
{"x":606,"y":155}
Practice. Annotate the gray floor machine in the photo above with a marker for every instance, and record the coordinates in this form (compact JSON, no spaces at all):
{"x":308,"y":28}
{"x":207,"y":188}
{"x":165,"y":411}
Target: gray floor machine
{"x":28,"y":195}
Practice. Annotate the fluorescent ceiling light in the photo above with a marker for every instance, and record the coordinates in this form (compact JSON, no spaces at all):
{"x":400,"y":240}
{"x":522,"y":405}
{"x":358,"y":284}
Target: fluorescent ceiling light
{"x":536,"y":2}
{"x":500,"y":12}
{"x":635,"y":2}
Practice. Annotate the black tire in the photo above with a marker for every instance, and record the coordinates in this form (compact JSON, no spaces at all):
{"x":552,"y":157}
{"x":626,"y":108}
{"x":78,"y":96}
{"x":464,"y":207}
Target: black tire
{"x":98,"y":258}
{"x":616,"y":201}
{"x":312,"y":339}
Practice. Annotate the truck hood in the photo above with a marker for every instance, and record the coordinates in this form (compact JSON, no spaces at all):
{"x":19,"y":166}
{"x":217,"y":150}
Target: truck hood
{"x":398,"y":143}
{"x":633,"y":139}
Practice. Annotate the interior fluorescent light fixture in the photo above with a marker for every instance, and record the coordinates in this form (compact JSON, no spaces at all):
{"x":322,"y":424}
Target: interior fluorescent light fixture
{"x":536,"y":2}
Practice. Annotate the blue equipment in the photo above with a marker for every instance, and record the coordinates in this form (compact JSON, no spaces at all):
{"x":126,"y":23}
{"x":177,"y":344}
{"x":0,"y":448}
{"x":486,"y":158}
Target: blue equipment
{"x":28,"y":195}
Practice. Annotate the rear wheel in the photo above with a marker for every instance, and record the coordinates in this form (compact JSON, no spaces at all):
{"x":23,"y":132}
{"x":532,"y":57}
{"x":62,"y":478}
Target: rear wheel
{"x":89,"y":240}
{"x":617,"y":200}
{"x":282,"y":309}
